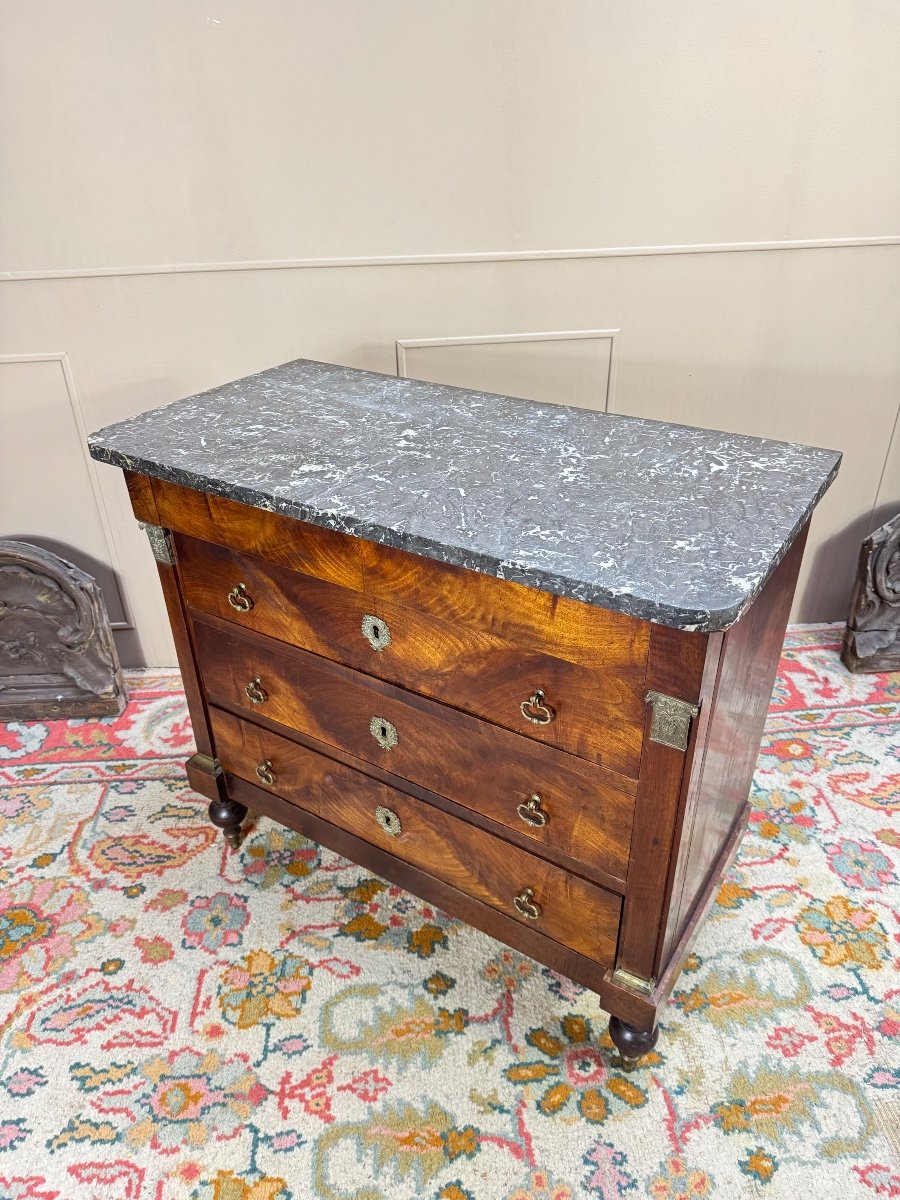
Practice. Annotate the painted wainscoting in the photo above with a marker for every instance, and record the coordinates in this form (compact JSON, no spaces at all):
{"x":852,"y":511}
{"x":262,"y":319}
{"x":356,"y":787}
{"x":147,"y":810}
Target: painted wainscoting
{"x":691,"y":217}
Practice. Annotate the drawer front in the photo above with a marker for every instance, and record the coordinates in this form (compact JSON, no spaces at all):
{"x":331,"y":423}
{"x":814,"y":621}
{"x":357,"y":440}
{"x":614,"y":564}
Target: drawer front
{"x":527,"y":616}
{"x":555,"y":799}
{"x":563,"y":906}
{"x":596,"y":713}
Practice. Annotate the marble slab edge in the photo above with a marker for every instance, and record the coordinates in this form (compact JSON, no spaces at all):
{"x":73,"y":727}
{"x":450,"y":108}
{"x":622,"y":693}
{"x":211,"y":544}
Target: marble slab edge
{"x":693,"y":620}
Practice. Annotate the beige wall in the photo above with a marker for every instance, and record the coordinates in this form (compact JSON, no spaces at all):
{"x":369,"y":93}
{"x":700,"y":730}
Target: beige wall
{"x":192,"y":192}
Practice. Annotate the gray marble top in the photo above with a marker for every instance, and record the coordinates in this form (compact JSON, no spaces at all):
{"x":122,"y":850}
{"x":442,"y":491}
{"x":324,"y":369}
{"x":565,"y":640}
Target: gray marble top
{"x":665,"y":522}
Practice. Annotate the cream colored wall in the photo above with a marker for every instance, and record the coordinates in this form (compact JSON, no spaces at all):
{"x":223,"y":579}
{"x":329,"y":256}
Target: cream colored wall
{"x":200,"y":191}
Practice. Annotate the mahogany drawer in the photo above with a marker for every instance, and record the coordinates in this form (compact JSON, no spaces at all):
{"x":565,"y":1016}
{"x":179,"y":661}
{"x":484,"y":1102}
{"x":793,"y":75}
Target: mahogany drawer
{"x":582,"y":811}
{"x":598,"y":711}
{"x":565,"y":907}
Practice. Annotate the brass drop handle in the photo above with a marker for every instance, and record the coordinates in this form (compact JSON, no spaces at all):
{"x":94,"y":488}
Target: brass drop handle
{"x":536,"y":711}
{"x":526,"y":904}
{"x":239,"y":599}
{"x":531,"y":812}
{"x":265,"y":773}
{"x":255,"y":691}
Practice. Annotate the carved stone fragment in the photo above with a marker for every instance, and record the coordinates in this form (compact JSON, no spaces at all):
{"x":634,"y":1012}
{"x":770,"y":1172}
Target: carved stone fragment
{"x":57,"y":655}
{"x":872,"y":636}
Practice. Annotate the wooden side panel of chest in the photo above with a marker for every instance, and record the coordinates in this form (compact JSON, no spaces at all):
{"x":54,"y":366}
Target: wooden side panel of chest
{"x":677,"y":714}
{"x":716,"y":795}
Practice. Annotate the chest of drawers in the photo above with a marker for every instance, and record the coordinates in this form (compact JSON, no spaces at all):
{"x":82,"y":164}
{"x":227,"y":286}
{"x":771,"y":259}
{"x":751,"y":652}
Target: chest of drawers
{"x":514,"y":657}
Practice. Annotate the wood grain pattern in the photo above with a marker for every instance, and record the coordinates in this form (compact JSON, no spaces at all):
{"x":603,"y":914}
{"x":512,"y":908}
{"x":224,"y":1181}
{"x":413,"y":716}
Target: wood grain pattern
{"x":310,"y":549}
{"x":677,"y":665}
{"x":568,"y":629}
{"x":512,"y":932}
{"x":580,"y":633}
{"x":599,"y":712}
{"x":202,"y":781}
{"x":196,"y":699}
{"x":572,"y":911}
{"x":738,"y":707}
{"x":477,"y":765}
{"x":660,"y":826}
{"x":143,"y":502}
{"x":642,"y":1010}
{"x":590,"y":870}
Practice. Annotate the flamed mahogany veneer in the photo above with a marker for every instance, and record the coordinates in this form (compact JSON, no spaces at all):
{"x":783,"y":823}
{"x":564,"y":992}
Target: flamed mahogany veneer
{"x":513,"y":657}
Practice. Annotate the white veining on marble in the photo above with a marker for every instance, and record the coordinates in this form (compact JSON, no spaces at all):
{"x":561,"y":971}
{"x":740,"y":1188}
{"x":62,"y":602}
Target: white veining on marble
{"x":664,"y":522}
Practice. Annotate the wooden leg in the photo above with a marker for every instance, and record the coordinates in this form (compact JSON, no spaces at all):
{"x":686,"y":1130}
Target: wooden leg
{"x":227,"y":815}
{"x":632,"y":1044}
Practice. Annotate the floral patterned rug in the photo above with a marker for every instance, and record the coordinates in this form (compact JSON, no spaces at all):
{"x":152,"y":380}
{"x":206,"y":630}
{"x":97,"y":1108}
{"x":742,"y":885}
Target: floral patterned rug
{"x":179,"y":1022}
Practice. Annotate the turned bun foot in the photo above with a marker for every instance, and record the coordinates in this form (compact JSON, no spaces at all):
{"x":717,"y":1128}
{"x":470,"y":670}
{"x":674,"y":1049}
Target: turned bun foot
{"x":227,"y":816}
{"x":632,"y":1044}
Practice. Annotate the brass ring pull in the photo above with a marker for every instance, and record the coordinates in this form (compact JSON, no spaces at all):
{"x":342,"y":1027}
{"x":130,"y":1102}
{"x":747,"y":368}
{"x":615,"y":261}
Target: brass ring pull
{"x":536,"y":711}
{"x":531,"y":812}
{"x":388,"y":820}
{"x":526,"y":904}
{"x":265,"y":773}
{"x":239,"y":599}
{"x":255,"y":691}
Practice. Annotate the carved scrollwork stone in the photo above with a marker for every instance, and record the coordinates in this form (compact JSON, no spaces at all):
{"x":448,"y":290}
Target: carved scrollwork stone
{"x":872,"y":637}
{"x":57,"y":656}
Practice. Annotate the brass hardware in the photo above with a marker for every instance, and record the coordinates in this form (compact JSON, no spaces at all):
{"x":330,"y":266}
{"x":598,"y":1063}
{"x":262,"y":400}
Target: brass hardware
{"x":527,"y":905}
{"x":203,"y":762}
{"x":383,"y":732}
{"x":531,"y":812}
{"x":255,"y":691}
{"x":239,"y":599}
{"x":536,"y":711}
{"x":636,"y":982}
{"x":388,"y":820}
{"x":376,"y":632}
{"x":670,"y":724}
{"x":160,"y":543}
{"x":265,"y":773}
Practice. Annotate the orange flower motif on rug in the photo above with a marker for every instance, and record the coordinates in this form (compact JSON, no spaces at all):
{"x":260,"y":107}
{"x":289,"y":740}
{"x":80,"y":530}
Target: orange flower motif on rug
{"x":839,"y":933}
{"x":264,"y":987}
{"x":187,"y":1022}
{"x":576,"y":1072}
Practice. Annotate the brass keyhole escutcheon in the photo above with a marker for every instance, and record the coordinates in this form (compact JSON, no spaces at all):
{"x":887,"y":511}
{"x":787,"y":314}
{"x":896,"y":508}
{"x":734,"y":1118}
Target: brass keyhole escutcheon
{"x":526,"y":904}
{"x":255,"y":691}
{"x":376,"y":632}
{"x":535,"y":710}
{"x":388,"y":820}
{"x":383,"y":732}
{"x":265,"y":773}
{"x":531,"y":812}
{"x":239,"y":599}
